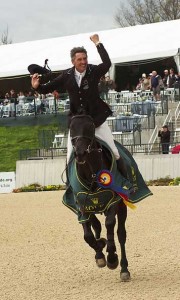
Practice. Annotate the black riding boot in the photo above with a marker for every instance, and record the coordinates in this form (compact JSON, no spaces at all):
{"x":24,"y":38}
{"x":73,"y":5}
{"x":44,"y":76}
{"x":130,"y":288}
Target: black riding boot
{"x":123,"y":170}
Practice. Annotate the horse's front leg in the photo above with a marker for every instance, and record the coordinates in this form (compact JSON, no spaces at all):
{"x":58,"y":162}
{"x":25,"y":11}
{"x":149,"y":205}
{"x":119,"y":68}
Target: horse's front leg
{"x":97,"y":245}
{"x":112,"y":258}
{"x":121,"y":233}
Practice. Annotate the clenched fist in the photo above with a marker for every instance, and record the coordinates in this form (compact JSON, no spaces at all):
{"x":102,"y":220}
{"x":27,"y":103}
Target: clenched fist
{"x":94,"y":38}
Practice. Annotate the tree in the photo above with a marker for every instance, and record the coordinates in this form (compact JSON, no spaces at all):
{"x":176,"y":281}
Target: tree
{"x":147,"y":11}
{"x":5,"y":37}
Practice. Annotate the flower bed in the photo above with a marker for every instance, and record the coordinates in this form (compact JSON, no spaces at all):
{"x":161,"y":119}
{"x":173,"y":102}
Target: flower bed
{"x":35,"y":187}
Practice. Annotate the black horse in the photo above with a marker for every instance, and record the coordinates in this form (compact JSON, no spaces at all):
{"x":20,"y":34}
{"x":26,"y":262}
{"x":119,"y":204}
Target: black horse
{"x":85,"y":195}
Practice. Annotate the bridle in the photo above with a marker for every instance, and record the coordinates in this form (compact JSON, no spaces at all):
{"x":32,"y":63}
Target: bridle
{"x":88,"y":151}
{"x":89,"y":148}
{"x":88,"y":135}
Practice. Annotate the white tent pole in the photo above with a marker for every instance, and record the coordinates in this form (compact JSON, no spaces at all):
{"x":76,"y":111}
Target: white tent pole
{"x":112,"y":72}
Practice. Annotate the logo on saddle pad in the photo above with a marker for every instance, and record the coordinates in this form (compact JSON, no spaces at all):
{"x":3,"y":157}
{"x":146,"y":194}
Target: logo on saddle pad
{"x":96,"y":202}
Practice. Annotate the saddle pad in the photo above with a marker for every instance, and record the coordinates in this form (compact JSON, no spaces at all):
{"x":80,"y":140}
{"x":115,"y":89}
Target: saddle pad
{"x":141,"y":189}
{"x":77,"y":195}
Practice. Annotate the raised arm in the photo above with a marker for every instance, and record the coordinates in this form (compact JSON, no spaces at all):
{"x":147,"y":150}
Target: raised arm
{"x":102,"y":68}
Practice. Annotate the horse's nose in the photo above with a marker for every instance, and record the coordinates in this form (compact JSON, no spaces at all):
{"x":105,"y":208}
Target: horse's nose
{"x":80,"y":155}
{"x":80,"y":159}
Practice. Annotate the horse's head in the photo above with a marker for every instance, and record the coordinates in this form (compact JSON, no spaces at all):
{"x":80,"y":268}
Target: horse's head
{"x":82,"y":133}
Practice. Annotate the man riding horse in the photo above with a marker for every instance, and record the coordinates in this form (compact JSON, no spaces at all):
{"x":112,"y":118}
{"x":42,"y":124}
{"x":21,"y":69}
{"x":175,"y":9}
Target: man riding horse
{"x":81,"y":83}
{"x":92,"y":170}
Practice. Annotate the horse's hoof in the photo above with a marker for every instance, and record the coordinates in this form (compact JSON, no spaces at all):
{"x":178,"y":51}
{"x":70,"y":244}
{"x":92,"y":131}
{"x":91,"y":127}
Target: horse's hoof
{"x":101,"y":262}
{"x":125,"y":276}
{"x":112,"y":261}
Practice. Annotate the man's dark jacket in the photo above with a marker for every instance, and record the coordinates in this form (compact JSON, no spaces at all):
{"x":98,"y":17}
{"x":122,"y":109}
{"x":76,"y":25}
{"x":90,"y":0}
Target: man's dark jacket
{"x":86,"y":97}
{"x":165,"y":136}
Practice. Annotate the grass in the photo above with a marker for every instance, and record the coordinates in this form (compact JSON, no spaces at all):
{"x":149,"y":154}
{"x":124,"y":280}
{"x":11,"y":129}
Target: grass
{"x":14,"y":139}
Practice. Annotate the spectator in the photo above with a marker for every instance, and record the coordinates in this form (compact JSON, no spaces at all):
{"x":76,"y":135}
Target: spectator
{"x":139,"y":85}
{"x":177,"y":82}
{"x":171,"y":78}
{"x":56,"y":95}
{"x":164,"y":135}
{"x":155,"y":85}
{"x":165,"y":78}
{"x":110,"y":84}
{"x":21,"y":98}
{"x":37,"y":102}
{"x":6,"y":98}
{"x":13,"y":95}
{"x":103,"y":88}
{"x":146,"y":83}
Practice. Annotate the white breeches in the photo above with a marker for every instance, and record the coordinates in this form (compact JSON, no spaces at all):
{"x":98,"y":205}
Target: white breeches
{"x":103,"y":132}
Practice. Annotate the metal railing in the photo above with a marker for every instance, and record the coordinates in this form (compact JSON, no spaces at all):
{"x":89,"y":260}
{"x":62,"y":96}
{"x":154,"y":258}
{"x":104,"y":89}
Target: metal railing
{"x":49,"y":139}
{"x":40,"y":154}
{"x":154,"y":135}
{"x":31,"y":107}
{"x":131,"y":123}
{"x":50,"y":105}
{"x":168,"y":118}
{"x":152,"y":139}
{"x":125,"y":97}
{"x":176,"y":114}
{"x":53,"y":153}
{"x":147,"y":107}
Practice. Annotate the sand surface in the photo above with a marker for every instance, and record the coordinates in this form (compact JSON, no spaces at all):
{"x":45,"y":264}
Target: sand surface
{"x":43,"y":255}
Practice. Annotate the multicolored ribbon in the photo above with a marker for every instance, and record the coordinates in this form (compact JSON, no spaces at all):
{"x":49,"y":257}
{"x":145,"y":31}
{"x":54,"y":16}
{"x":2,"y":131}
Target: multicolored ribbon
{"x":105,"y":180}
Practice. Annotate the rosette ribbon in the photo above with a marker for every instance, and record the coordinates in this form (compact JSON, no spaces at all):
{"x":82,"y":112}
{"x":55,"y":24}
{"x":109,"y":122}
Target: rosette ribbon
{"x":105,"y":180}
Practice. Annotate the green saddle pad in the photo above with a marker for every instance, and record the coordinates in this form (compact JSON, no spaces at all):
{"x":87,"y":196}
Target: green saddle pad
{"x":84,"y":203}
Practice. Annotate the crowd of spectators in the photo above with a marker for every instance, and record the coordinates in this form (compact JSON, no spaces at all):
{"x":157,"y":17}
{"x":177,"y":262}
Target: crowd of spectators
{"x":152,"y":81}
{"x":29,"y":101}
{"x":156,"y":83}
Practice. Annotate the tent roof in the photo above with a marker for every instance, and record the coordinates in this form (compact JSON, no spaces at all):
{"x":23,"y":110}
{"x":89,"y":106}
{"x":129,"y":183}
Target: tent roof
{"x":127,"y":44}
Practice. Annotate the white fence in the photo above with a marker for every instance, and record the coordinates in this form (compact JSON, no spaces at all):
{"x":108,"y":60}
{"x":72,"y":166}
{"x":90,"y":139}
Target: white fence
{"x":47,"y":172}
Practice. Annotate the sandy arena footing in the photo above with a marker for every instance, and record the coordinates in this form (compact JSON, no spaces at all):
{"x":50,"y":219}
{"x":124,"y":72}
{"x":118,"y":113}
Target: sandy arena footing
{"x":44,"y":257}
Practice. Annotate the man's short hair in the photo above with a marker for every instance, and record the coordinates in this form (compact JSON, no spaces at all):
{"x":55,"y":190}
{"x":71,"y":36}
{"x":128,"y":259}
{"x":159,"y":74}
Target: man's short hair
{"x":77,"y":50}
{"x":165,"y":126}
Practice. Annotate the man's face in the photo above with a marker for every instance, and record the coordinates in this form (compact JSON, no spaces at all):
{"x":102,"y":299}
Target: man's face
{"x":80,"y":62}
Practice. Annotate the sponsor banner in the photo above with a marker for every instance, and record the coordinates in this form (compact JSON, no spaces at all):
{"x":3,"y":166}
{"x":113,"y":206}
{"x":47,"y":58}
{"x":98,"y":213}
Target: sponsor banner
{"x":7,"y":182}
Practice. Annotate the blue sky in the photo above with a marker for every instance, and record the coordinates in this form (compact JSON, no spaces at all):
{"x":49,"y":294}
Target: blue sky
{"x":39,"y":19}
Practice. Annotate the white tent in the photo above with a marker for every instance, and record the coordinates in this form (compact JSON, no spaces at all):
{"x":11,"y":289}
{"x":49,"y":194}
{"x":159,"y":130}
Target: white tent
{"x":135,"y":43}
